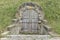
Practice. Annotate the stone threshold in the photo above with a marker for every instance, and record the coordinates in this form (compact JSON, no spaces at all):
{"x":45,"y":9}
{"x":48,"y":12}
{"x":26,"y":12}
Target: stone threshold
{"x":26,"y":37}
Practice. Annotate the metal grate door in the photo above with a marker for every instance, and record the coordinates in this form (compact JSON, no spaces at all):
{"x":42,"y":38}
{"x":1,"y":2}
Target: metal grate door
{"x":29,"y":21}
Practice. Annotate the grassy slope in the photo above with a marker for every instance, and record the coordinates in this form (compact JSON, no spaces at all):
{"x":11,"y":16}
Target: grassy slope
{"x":51,"y":9}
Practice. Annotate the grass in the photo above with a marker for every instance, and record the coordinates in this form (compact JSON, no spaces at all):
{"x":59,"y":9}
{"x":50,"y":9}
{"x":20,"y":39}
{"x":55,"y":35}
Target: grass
{"x":51,"y":9}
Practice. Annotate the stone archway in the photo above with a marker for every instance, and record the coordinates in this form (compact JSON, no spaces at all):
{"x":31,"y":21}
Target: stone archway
{"x":29,"y":20}
{"x":30,"y":14}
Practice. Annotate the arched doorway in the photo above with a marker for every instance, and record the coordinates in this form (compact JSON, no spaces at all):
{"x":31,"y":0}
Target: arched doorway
{"x":30,"y":14}
{"x":29,"y":21}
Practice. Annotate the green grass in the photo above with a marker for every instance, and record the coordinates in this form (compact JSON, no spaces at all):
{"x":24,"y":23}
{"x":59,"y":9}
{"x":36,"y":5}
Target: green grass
{"x":51,"y":9}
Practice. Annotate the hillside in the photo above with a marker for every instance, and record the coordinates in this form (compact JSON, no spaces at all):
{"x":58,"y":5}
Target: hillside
{"x":51,"y":8}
